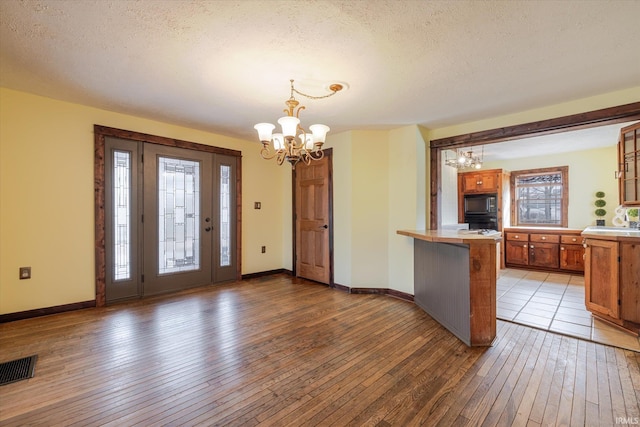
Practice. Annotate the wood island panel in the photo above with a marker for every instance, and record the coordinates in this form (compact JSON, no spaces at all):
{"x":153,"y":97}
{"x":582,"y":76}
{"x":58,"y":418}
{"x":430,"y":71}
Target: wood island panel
{"x":455,"y":281}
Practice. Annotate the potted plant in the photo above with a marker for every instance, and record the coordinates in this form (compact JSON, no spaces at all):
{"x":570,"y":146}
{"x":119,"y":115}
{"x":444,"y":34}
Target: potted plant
{"x":632,"y":217}
{"x":600,"y":212}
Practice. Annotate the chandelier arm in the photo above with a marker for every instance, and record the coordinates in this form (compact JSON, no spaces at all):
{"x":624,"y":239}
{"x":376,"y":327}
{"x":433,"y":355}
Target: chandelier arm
{"x":316,"y":154}
{"x":266,"y":154}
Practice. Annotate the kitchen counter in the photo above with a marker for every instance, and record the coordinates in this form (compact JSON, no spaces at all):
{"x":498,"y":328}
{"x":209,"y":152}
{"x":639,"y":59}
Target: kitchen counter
{"x":452,"y":236}
{"x":455,"y":277}
{"x":612,"y":233}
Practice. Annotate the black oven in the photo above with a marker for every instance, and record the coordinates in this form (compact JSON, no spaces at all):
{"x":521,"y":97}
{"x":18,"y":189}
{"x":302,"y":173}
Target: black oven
{"x":481,"y":222}
{"x":481,"y":211}
{"x":481,"y":204}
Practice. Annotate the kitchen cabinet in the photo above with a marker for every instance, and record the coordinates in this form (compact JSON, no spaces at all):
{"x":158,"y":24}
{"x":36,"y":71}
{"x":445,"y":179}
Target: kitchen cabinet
{"x":490,"y":181}
{"x":571,"y":253}
{"x":612,"y":279}
{"x":480,"y":182}
{"x":629,"y":162}
{"x":550,"y":249}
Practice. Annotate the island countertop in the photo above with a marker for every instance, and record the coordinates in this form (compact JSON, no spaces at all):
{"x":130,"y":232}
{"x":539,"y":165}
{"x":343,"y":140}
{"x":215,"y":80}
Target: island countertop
{"x":452,"y":236}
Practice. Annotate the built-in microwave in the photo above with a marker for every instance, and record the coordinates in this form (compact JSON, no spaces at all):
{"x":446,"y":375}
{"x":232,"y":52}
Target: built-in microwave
{"x":480,"y":204}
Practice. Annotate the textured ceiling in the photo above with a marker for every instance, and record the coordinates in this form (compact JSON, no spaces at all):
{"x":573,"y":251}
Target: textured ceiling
{"x":223,"y":66}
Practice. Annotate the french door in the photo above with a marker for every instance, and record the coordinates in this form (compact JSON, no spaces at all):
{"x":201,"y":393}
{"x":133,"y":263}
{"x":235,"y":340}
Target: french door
{"x":170,"y":218}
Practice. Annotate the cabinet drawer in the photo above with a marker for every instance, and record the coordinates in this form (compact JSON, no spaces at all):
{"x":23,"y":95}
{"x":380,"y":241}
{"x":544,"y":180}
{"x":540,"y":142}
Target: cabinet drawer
{"x":571,"y":240}
{"x":544,"y":238}
{"x":518,"y":236}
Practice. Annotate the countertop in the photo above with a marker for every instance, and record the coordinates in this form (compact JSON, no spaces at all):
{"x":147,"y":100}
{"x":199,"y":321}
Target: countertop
{"x":612,"y":233}
{"x":451,"y":236}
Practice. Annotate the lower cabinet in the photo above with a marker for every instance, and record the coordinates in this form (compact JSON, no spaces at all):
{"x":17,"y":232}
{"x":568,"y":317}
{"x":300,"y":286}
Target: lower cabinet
{"x":612,"y":281}
{"x":557,"y":250}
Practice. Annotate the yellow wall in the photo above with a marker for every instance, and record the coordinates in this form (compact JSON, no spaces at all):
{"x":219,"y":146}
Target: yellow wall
{"x":589,"y":171}
{"x":380,"y":185}
{"x":46,"y":198}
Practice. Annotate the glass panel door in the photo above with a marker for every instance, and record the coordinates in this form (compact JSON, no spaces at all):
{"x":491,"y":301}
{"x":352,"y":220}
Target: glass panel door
{"x":122,"y":275}
{"x":177,"y":218}
{"x":225,"y":233}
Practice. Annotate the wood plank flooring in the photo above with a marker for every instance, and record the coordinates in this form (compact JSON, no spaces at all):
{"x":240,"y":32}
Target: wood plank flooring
{"x":287,"y":352}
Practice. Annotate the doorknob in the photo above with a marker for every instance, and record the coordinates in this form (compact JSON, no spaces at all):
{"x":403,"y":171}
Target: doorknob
{"x":208,"y":229}
{"x":207,"y":219}
{"x":324,"y":226}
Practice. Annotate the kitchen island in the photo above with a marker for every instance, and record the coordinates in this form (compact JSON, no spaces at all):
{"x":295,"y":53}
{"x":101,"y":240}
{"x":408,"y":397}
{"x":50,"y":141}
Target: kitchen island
{"x":455,"y":275}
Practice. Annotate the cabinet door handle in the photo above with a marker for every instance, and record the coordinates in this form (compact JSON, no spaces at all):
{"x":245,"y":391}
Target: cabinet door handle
{"x":562,"y":248}
{"x":516,"y":237}
{"x":574,"y":240}
{"x":525,"y":245}
{"x":531,"y":246}
{"x":544,"y":237}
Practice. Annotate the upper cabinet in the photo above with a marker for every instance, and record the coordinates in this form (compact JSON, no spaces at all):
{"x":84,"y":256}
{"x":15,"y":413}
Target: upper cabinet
{"x":480,"y":182}
{"x":629,"y":160}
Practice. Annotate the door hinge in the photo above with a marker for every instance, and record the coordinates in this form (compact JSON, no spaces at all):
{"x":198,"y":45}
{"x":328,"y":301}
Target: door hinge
{"x":141,"y":158}
{"x":618,"y":258}
{"x":142,"y":278}
{"x":619,"y":302}
{"x":142,"y":218}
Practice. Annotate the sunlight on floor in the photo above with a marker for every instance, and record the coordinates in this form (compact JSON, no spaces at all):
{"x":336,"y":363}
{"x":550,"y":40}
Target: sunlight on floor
{"x":554,"y":302}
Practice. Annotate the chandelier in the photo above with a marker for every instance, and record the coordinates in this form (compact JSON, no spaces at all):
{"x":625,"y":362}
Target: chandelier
{"x":284,"y":146}
{"x":465,"y":160}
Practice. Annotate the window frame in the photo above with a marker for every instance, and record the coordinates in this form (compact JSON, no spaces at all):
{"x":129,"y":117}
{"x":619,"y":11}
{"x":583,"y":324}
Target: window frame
{"x":564,"y":171}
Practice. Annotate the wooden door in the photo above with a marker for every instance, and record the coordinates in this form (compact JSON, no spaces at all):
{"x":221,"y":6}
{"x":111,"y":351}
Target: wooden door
{"x":313,"y":224}
{"x":517,"y":253}
{"x":630,"y":281}
{"x":601,"y":276}
{"x":572,"y":257}
{"x":544,"y":255}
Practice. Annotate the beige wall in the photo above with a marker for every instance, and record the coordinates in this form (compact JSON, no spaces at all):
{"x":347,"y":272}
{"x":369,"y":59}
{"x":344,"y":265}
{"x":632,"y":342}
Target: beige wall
{"x":46,"y":198}
{"x":589,"y":171}
{"x":380,"y":185}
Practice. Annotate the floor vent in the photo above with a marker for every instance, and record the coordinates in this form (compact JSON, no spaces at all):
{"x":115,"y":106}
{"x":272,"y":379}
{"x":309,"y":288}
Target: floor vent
{"x":17,"y":370}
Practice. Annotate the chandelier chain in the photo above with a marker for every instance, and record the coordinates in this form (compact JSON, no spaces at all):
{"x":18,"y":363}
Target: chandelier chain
{"x":335,"y":88}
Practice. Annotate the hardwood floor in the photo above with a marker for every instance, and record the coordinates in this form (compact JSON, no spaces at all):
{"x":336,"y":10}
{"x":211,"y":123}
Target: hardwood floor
{"x":280,"y":351}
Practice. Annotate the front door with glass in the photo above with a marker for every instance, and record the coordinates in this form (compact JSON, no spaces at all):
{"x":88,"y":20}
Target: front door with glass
{"x":179,"y":205}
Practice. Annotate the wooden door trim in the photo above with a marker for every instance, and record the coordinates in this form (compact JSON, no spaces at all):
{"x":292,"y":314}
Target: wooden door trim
{"x":328,"y":153}
{"x":605,"y":116}
{"x":100,"y":132}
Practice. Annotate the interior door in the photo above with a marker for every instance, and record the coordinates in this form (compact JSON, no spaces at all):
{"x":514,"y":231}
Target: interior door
{"x":178,"y":218}
{"x":313,"y":222}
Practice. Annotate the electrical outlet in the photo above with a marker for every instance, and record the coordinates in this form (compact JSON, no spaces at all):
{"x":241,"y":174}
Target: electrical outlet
{"x":257,"y":205}
{"x":264,"y":249}
{"x":25,"y":273}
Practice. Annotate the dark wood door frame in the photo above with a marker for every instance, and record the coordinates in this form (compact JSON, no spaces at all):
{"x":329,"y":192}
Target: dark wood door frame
{"x":328,"y":152}
{"x":606,"y":116}
{"x":100,"y":132}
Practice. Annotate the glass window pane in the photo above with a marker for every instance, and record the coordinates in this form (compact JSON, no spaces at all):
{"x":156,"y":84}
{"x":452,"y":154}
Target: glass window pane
{"x":178,"y":215}
{"x":539,"y":198}
{"x":122,"y":215}
{"x":225,"y":215}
